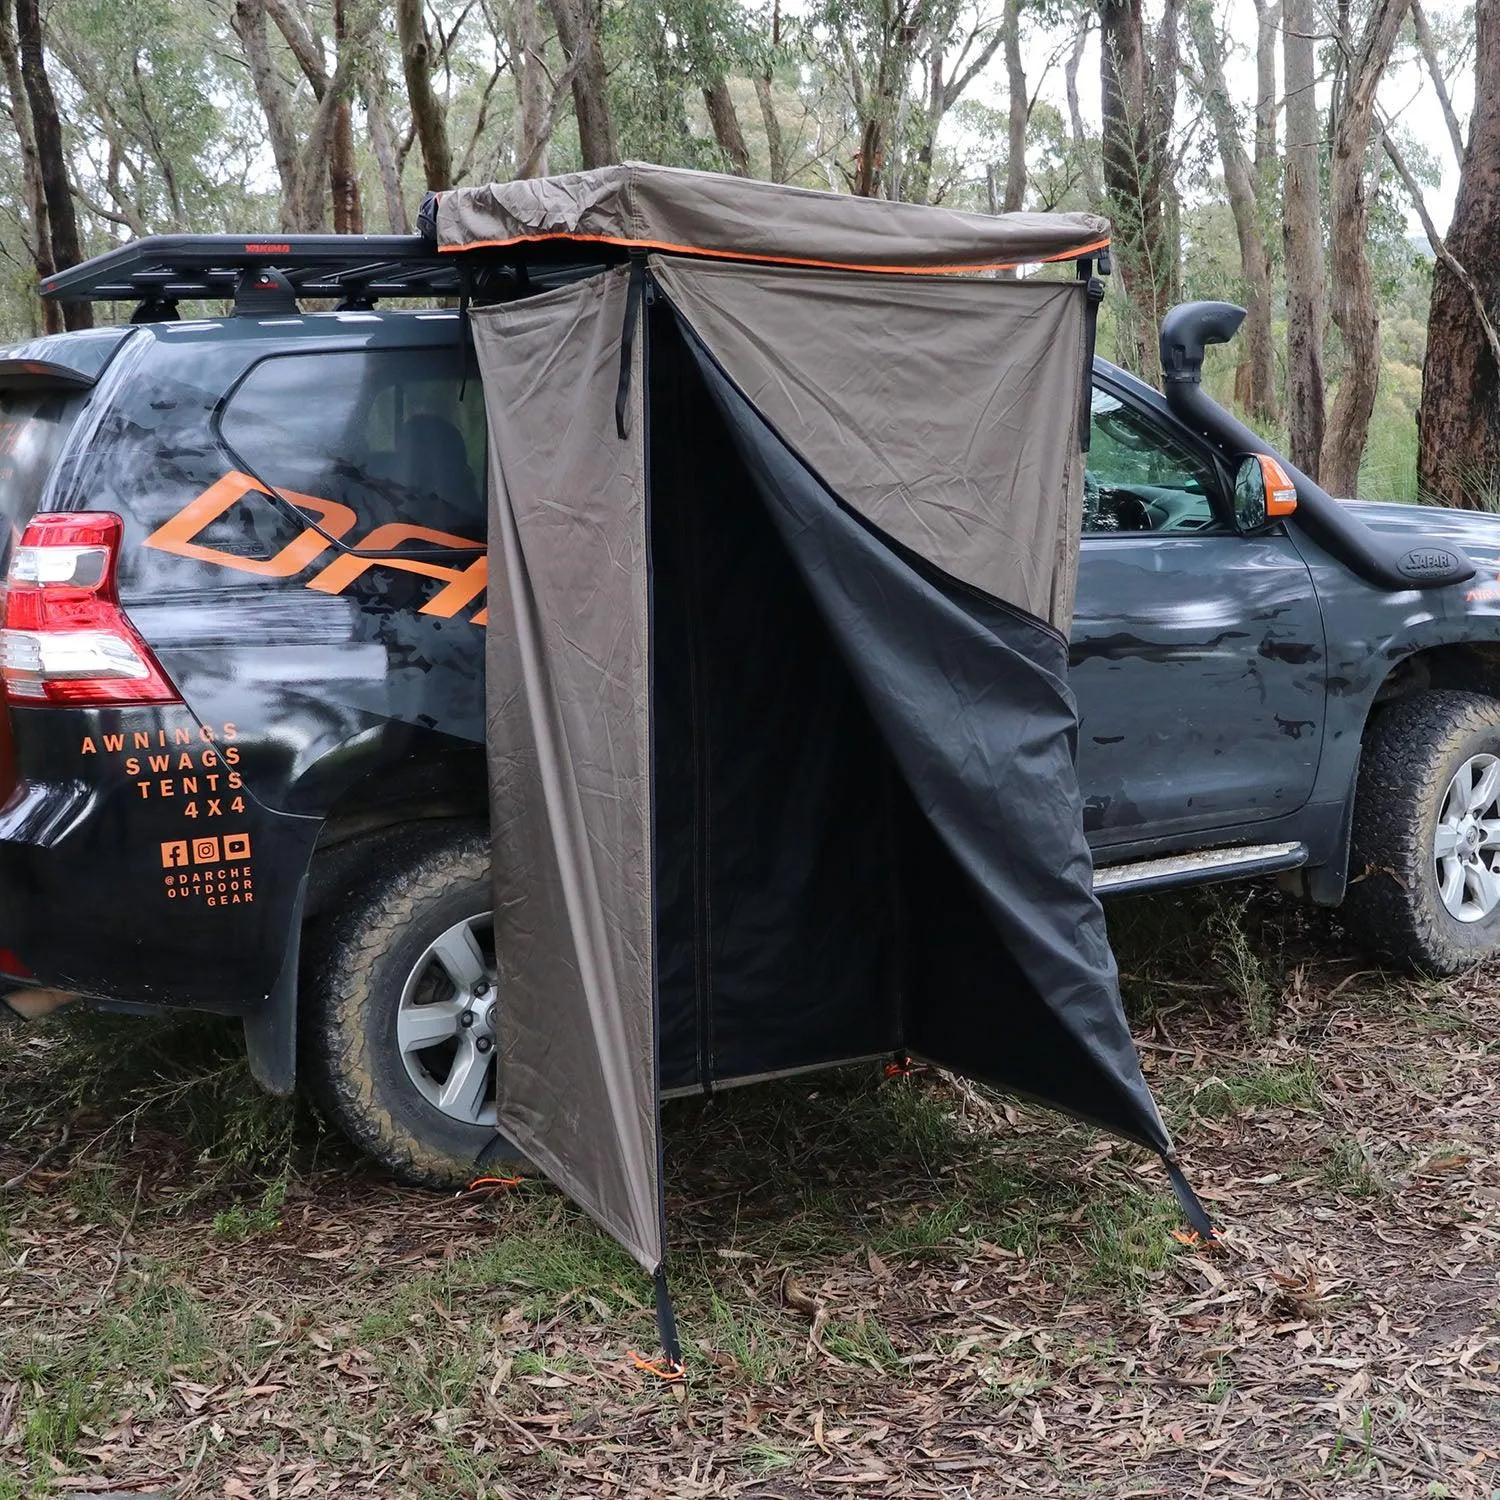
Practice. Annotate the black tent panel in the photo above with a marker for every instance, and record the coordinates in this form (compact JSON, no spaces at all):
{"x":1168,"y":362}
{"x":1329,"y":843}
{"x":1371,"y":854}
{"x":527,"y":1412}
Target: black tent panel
{"x":776,"y":931}
{"x":1008,"y":972}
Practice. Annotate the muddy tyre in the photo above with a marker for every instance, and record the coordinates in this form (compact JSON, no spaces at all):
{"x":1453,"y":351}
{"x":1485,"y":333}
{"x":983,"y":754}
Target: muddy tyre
{"x":1425,"y":868}
{"x":398,"y":999}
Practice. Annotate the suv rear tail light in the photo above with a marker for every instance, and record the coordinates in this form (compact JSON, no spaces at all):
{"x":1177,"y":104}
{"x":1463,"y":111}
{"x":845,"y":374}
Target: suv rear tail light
{"x":63,"y":637}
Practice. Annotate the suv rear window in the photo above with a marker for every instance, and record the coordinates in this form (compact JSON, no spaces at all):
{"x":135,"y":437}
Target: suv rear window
{"x":33,"y":425}
{"x":381,"y":431}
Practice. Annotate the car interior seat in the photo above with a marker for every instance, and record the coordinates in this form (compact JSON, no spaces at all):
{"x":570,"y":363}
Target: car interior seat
{"x":432,"y":459}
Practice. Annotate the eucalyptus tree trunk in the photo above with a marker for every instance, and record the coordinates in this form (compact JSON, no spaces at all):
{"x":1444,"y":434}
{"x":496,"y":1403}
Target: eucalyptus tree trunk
{"x":1302,"y":230}
{"x":343,"y":168}
{"x":1017,"y":109}
{"x":775,"y":141}
{"x":248,"y":19}
{"x":1255,"y":379}
{"x":577,"y":23}
{"x":1355,"y":313}
{"x":383,"y":149}
{"x":1267,"y":25}
{"x":1428,"y":48}
{"x":52,"y":161}
{"x":1458,"y":422}
{"x":1138,"y":85}
{"x":31,"y":172}
{"x":725,"y":120}
{"x":528,"y":48}
{"x":429,"y":116}
{"x":1087,"y":168}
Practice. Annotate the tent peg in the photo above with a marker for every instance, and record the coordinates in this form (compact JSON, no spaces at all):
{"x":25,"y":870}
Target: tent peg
{"x":666,"y":1327}
{"x":1192,"y":1209}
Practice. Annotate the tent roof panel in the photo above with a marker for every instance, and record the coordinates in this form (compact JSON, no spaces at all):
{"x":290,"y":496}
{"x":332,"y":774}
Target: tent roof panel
{"x":639,"y":206}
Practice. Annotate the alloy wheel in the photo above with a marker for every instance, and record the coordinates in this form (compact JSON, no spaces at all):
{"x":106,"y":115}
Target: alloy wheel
{"x":445,"y":1024}
{"x":1466,"y":845}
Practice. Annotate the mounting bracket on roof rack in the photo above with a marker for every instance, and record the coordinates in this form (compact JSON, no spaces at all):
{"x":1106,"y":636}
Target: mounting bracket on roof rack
{"x":155,"y":310}
{"x":263,"y":291}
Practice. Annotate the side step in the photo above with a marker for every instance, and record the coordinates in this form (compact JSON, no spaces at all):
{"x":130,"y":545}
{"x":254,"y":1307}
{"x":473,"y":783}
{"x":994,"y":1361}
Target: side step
{"x":1202,"y":867}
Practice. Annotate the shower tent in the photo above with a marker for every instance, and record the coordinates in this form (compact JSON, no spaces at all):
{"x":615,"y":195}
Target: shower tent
{"x":785,"y":495}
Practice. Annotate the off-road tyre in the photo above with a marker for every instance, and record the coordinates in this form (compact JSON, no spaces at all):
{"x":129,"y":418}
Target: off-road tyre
{"x":417,"y":883}
{"x":1393,"y":906}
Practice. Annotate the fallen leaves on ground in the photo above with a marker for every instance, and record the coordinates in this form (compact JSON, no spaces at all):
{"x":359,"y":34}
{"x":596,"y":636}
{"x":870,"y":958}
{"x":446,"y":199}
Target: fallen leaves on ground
{"x":886,"y":1287}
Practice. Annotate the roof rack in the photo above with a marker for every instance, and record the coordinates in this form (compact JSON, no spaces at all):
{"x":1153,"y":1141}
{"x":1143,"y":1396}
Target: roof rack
{"x":162,"y":269}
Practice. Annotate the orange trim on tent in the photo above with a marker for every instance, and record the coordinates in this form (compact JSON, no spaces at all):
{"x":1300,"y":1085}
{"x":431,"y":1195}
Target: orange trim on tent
{"x":781,"y":260}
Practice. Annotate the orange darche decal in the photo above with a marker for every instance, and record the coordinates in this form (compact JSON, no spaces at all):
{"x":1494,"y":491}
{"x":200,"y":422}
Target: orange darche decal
{"x":1484,"y":593}
{"x":462,"y":585}
{"x":212,"y":868}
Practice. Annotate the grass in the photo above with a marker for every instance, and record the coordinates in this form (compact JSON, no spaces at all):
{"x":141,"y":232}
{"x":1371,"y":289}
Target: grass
{"x":1388,"y":470}
{"x":55,"y":1421}
{"x":1293,"y":1085}
{"x":978,"y":1266}
{"x":1349,"y":1169}
{"x":186,"y":1069}
{"x":1221,"y":941}
{"x":764,"y":1459}
{"x":240,"y":1222}
{"x":1128,"y":1237}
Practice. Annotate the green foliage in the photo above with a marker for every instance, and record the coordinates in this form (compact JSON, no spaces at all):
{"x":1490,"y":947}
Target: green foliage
{"x":186,"y":1071}
{"x":54,"y":1423}
{"x":1294,"y":1086}
{"x":664,"y":54}
{"x":1218,"y":940}
{"x":165,"y":131}
{"x":239,"y":1222}
{"x":1129,"y":1236}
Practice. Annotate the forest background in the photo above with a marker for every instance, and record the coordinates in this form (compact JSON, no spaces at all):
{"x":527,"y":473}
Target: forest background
{"x":1333,"y":165}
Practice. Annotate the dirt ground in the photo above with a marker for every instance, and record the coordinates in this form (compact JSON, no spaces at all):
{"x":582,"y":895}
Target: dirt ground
{"x":886,"y":1287}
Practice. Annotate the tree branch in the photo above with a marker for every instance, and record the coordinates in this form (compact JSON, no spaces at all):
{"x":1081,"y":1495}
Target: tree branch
{"x":1439,"y":247}
{"x":304,"y":46}
{"x":1439,"y":83}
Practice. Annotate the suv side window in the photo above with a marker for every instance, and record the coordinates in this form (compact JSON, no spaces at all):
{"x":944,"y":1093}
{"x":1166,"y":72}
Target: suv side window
{"x":381,"y":431}
{"x":1141,"y":478}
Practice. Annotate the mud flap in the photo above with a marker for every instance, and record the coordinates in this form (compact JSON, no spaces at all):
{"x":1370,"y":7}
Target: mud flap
{"x":271,"y":1031}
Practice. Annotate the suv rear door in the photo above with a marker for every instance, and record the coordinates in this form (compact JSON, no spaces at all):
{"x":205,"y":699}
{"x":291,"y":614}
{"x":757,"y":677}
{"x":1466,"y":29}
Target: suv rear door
{"x":1197,"y":653}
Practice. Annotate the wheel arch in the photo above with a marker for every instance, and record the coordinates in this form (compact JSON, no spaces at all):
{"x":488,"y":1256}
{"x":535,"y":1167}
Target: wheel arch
{"x":1468,"y":666}
{"x":448,"y":787}
{"x":440,"y":791}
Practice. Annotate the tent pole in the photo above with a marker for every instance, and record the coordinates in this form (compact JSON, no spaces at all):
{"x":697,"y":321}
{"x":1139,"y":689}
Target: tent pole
{"x":666,"y":1320}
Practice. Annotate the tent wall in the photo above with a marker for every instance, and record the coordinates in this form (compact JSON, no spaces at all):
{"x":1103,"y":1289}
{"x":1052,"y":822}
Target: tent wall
{"x":780,"y":740}
{"x":1007,"y":974}
{"x":568,"y":742}
{"x":947,"y":411}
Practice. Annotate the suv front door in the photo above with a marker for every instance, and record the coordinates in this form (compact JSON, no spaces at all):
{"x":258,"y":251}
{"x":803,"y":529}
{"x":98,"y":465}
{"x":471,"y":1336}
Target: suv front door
{"x":1197,"y":653}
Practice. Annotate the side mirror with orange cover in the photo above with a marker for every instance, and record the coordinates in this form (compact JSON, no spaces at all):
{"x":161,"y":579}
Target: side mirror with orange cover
{"x":1263,"y":493}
